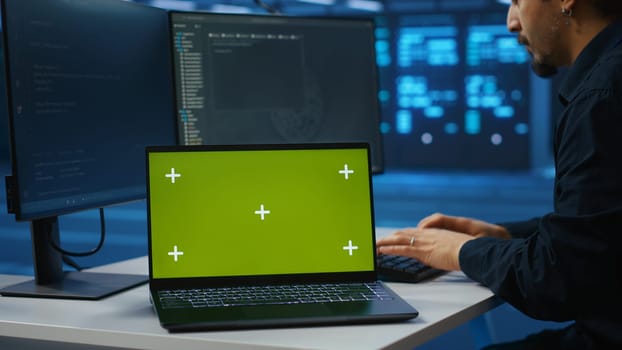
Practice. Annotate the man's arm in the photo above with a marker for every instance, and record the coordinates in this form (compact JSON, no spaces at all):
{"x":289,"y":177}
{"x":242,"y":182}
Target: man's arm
{"x":521,"y":229}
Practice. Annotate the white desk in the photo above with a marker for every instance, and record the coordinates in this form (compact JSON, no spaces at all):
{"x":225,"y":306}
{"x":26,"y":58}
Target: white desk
{"x":127,"y":321}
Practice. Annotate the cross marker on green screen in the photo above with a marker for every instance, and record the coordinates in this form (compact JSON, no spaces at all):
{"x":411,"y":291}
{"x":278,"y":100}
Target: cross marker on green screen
{"x":172,"y":175}
{"x":350,"y":247}
{"x":346,"y":171}
{"x":175,"y":253}
{"x":262,"y":212}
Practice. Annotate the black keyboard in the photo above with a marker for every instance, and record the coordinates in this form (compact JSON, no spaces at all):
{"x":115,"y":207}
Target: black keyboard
{"x":404,"y":269}
{"x":281,"y":294}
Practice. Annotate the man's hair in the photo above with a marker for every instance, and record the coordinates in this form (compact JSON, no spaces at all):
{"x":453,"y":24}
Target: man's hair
{"x":608,"y":8}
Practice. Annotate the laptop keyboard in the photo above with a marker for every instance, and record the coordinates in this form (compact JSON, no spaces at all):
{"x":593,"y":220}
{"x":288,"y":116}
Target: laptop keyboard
{"x":404,"y":269}
{"x":279,"y":294}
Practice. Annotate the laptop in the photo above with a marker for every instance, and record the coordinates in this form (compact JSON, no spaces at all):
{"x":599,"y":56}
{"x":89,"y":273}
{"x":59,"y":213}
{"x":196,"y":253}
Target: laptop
{"x":255,"y":236}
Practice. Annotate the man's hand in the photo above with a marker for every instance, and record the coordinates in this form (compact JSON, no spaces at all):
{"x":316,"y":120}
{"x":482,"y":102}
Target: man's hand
{"x":475,"y":228}
{"x":438,"y":248}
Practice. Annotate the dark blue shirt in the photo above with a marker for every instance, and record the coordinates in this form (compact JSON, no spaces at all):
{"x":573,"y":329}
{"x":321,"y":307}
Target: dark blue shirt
{"x":567,"y":265}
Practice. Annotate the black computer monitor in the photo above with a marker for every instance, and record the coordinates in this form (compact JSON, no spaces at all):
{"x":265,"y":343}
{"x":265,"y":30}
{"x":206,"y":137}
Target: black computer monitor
{"x":89,"y":86}
{"x":260,"y":79}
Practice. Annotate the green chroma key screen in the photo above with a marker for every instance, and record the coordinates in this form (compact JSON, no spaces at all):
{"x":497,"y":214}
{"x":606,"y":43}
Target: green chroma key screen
{"x":257,"y":212}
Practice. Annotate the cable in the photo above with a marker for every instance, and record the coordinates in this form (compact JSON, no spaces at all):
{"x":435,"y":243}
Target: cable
{"x":267,"y":7}
{"x":91,"y":252}
{"x":69,"y":261}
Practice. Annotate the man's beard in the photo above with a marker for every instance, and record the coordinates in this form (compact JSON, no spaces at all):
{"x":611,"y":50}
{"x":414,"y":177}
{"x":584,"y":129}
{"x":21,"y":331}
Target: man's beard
{"x":543,"y":70}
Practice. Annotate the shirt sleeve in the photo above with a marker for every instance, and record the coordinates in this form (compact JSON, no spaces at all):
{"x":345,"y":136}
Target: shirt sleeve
{"x":521,"y":229}
{"x":558,"y":273}
{"x":569,"y":267}
{"x":518,"y":271}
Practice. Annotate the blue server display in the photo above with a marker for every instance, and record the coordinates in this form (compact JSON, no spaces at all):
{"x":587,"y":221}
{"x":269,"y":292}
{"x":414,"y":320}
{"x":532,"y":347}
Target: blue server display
{"x":455,"y":92}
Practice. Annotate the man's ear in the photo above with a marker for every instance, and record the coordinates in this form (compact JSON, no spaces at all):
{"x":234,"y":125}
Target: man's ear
{"x":567,"y":5}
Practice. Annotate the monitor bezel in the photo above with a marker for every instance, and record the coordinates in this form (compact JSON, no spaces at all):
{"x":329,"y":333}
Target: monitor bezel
{"x":13,"y":183}
{"x":378,"y":158}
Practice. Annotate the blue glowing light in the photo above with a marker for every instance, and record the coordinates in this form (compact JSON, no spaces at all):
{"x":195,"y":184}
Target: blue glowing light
{"x":521,"y":129}
{"x":452,"y":128}
{"x":434,"y":112}
{"x":504,"y":112}
{"x":382,"y":46}
{"x":383,"y":60}
{"x":385,"y":128}
{"x":384,"y":95}
{"x":404,"y":122}
{"x":434,"y":45}
{"x":472,"y":122}
{"x":421,"y":102}
{"x":383,"y":33}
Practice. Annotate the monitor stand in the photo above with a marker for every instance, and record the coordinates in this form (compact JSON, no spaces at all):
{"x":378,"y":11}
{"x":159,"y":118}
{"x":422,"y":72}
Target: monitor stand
{"x":52,"y":282}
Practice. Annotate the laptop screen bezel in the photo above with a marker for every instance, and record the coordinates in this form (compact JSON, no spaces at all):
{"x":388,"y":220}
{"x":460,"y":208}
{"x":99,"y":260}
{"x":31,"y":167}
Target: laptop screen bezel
{"x":275,"y":279}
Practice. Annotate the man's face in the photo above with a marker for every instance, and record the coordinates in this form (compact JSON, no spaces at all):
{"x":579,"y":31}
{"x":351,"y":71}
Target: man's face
{"x":537,"y":24}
